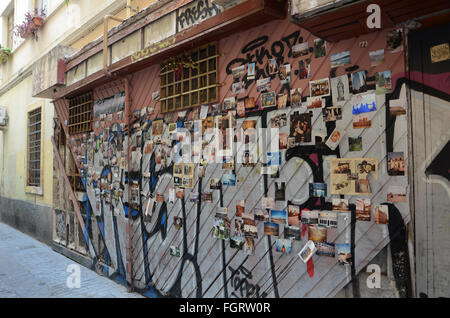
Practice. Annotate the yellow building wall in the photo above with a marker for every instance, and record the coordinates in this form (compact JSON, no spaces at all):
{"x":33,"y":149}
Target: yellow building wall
{"x":18,"y":102}
{"x":98,"y":30}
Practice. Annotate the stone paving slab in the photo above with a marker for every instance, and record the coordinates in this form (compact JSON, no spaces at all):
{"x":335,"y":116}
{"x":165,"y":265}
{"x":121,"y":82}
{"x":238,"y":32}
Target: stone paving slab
{"x":30,"y":269}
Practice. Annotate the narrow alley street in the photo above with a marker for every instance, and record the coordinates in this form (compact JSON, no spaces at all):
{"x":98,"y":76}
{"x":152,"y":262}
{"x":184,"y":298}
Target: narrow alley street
{"x":29,"y":268}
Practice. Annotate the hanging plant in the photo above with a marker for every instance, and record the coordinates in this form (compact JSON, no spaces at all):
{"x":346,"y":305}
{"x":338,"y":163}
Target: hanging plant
{"x":5,"y":53}
{"x":31,"y":24}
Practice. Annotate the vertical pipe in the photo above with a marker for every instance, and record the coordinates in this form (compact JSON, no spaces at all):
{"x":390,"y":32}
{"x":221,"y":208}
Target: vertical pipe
{"x":127,"y":118}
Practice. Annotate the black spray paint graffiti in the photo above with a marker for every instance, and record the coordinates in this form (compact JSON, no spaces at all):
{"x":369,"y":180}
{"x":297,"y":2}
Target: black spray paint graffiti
{"x":190,"y":16}
{"x":241,"y":282}
{"x":256,"y":52}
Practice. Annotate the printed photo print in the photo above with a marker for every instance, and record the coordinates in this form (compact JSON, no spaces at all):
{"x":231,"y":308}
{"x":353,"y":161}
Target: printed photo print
{"x":300,"y":127}
{"x":283,"y":246}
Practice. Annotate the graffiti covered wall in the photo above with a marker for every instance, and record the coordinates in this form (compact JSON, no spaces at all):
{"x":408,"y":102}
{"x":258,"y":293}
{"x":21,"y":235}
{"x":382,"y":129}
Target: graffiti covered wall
{"x":180,"y":247}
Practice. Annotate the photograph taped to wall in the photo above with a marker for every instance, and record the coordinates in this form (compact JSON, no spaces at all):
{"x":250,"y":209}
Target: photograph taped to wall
{"x":376,"y":57}
{"x":396,"y":194}
{"x":315,"y":102}
{"x":300,"y":49}
{"x":332,"y":113}
{"x":340,"y":59}
{"x":263,"y":85}
{"x":319,"y":87}
{"x":304,"y":68}
{"x":296,"y":97}
{"x":350,"y":175}
{"x":320,"y":49}
{"x":340,"y":90}
{"x":340,"y":205}
{"x":283,"y":246}
{"x":285,"y":74}
{"x":300,"y":127}
{"x":271,"y":228}
{"x":363,"y":209}
{"x":326,"y":249}
{"x":292,"y":232}
{"x":307,"y":251}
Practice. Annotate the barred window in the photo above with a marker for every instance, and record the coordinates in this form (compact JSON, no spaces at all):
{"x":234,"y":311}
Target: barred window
{"x":80,"y":113}
{"x":189,"y":79}
{"x":34,"y":148}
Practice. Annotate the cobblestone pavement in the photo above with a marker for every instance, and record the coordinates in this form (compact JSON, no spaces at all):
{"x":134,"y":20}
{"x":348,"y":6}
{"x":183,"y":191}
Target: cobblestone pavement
{"x":29,"y":268}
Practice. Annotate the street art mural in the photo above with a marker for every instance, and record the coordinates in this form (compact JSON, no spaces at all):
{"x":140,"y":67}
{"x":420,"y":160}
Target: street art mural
{"x":233,"y":227}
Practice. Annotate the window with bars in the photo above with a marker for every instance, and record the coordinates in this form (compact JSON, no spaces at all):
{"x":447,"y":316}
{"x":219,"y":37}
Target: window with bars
{"x":34,"y":148}
{"x":80,"y":114}
{"x":189,"y":79}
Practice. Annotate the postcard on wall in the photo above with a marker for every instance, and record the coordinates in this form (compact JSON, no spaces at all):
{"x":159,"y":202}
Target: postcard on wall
{"x":343,"y":253}
{"x":335,"y":137}
{"x":174,"y":251}
{"x":383,"y":82}
{"x":283,"y":246}
{"x":396,"y":164}
{"x":363,"y":209}
{"x":278,"y":121}
{"x":283,"y":141}
{"x":355,"y":144}
{"x":249,"y":246}
{"x":229,"y":103}
{"x":396,"y":194}
{"x":229,"y":179}
{"x":350,"y":175}
{"x":363,"y":103}
{"x":237,"y":242}
{"x":320,"y":87}
{"x":317,"y":233}
{"x":251,"y":71}
{"x":268,"y":203}
{"x":279,"y":217}
{"x":340,"y":91}
{"x":292,"y":232}
{"x":296,"y":97}
{"x":317,"y":189}
{"x":263,"y":85}
{"x":177,"y":222}
{"x":285,"y":74}
{"x":381,"y":214}
{"x":157,"y":127}
{"x":340,"y":205}
{"x":282,"y":100}
{"x":320,"y":49}
{"x":268,"y":99}
{"x":222,"y":229}
{"x":300,"y":127}
{"x":376,"y":57}
{"x":250,"y":103}
{"x":310,"y":217}
{"x":240,"y":109}
{"x":307,"y":251}
{"x":300,"y":49}
{"x":271,"y":228}
{"x":238,"y":88}
{"x":440,"y":53}
{"x":261,"y":215}
{"x":361,"y":121}
{"x":315,"y":102}
{"x":238,"y":227}
{"x":273,"y":66}
{"x":328,"y":219}
{"x":326,"y":249}
{"x":332,"y":113}
{"x":359,"y":82}
{"x":304,"y":68}
{"x":397,"y":106}
{"x":340,"y":59}
{"x":280,"y":189}
{"x":238,"y":72}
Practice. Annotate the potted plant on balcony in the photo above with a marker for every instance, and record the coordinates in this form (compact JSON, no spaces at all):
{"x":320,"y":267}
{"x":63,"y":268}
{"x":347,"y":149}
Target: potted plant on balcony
{"x":31,"y":24}
{"x":5,"y":53}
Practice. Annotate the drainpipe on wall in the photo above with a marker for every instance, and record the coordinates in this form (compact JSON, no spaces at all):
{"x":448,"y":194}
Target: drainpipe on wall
{"x":105,"y":41}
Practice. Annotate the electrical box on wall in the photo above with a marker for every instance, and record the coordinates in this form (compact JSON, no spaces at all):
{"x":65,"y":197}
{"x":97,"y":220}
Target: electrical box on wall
{"x":3,"y":117}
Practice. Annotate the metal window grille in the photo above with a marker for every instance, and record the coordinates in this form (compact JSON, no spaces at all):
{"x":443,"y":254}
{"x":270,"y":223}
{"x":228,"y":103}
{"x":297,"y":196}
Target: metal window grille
{"x":80,"y":113}
{"x":190,"y":79}
{"x":34,"y":147}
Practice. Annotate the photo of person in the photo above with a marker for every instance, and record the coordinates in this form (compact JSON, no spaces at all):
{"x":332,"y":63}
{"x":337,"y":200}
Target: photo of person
{"x":300,"y":127}
{"x":340,"y":91}
{"x":177,"y":222}
{"x":283,"y":246}
{"x":320,"y":49}
{"x":304,"y":68}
